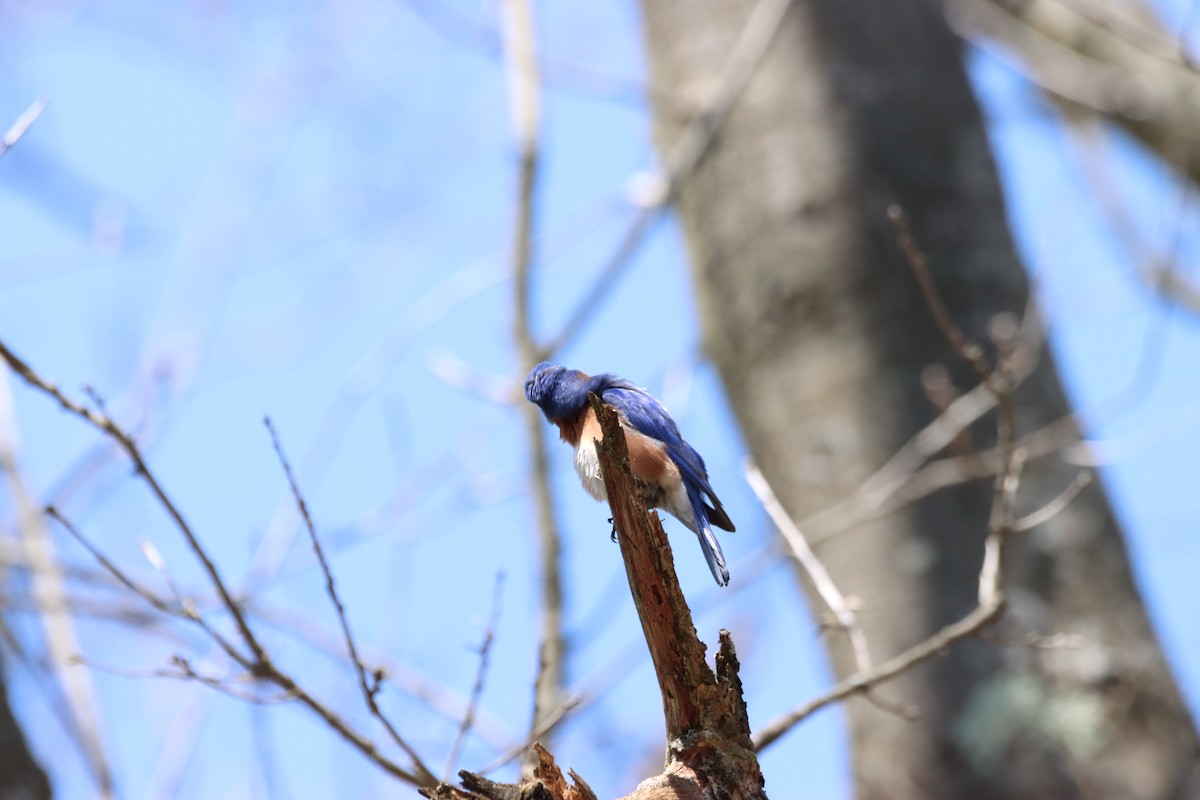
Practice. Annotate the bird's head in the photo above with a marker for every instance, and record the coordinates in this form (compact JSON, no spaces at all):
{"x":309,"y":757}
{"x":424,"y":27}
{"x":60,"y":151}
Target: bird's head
{"x":558,"y":391}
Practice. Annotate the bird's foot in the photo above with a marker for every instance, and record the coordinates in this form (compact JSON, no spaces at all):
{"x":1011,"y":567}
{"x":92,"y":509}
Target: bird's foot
{"x":613,"y":535}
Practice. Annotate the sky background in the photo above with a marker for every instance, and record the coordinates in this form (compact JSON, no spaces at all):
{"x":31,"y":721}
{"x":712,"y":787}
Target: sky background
{"x":304,"y":210}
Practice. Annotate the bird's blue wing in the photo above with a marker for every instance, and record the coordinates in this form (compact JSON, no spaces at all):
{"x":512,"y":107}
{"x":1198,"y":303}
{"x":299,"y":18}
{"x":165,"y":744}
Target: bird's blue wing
{"x":649,"y":416}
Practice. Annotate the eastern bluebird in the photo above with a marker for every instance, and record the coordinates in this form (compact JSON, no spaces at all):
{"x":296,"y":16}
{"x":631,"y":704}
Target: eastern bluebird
{"x":658,"y":455}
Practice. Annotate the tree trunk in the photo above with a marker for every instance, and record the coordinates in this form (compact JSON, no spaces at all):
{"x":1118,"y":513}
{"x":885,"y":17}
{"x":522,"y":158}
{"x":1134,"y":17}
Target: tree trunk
{"x":820,"y":334}
{"x":20,"y":776}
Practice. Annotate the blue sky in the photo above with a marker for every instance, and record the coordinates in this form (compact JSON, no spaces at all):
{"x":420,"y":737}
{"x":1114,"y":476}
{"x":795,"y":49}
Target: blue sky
{"x":304,"y":210}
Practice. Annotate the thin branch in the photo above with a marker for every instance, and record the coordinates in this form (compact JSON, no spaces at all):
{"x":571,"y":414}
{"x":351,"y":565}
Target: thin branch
{"x":621,"y":258}
{"x":370,"y":688}
{"x":901,"y":480}
{"x":437,"y":698}
{"x":459,"y":374}
{"x":159,"y":563}
{"x":1001,"y":523}
{"x":968,"y":350}
{"x":561,"y":74}
{"x":184,"y":671}
{"x":524,"y":100}
{"x":18,"y":128}
{"x":89,"y":607}
{"x":360,"y":742}
{"x":363,"y":379}
{"x":980,"y":618}
{"x":549,"y":722}
{"x":997,"y":379}
{"x":1055,"y":506}
{"x":150,"y":597}
{"x":185,"y":610}
{"x":485,"y":648}
{"x":1159,"y":267}
{"x":544,"y":781}
{"x":752,"y":45}
{"x":440,"y":471}
{"x":105,"y":425}
{"x":259,"y":665}
{"x":803,"y":554}
{"x":911,"y":481}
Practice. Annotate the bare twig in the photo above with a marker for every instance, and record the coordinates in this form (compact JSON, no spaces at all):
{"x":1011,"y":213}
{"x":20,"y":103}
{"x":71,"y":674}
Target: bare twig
{"x":105,"y":425}
{"x":1001,"y":523}
{"x":990,"y":608}
{"x":524,"y":99}
{"x":621,"y":258}
{"x":743,"y":61}
{"x":997,"y":378}
{"x":903,"y":478}
{"x":17,"y":602}
{"x":803,"y":554}
{"x":159,"y":563}
{"x":544,"y":780}
{"x":362,"y":380}
{"x":485,"y":40}
{"x":121,"y":576}
{"x":1055,"y":506}
{"x":1059,"y":438}
{"x":970,"y":625}
{"x":184,"y":671}
{"x":258,"y":664}
{"x":968,"y":350}
{"x":485,"y":648}
{"x":439,"y":471}
{"x":422,"y":689}
{"x":457,"y":373}
{"x":18,"y":128}
{"x":549,"y":722}
{"x":844,"y":617}
{"x":369,"y":687}
{"x":1159,"y":267}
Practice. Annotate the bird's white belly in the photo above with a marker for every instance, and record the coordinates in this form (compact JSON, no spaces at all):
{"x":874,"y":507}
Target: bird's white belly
{"x":587,"y":464}
{"x":675,"y":500}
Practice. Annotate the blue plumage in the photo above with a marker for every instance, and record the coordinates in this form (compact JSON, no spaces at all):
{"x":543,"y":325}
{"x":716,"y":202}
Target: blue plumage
{"x":687,"y":495}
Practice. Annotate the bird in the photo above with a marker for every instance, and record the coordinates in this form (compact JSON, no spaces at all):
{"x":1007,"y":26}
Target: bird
{"x":670,"y":467}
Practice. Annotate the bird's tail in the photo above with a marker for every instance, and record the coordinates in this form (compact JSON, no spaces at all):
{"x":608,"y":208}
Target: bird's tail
{"x":709,"y":543}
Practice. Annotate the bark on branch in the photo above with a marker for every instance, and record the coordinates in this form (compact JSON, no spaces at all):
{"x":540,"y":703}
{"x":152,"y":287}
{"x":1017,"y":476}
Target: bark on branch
{"x":708,"y":732}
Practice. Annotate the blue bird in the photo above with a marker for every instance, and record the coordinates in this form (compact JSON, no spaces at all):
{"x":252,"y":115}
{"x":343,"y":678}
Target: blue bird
{"x":658,"y":455}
